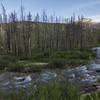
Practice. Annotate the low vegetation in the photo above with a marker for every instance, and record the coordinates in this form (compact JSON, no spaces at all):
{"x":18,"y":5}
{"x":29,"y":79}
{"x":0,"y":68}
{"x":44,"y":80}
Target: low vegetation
{"x":52,"y":91}
{"x":94,"y":45}
{"x":71,"y":58}
{"x":48,"y":41}
{"x":60,"y":59}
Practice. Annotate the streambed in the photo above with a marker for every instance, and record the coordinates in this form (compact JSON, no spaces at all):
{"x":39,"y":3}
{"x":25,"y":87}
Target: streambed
{"x":87,"y":76}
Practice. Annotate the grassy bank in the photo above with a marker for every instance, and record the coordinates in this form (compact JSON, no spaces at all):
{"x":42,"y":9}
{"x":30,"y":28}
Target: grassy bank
{"x":72,"y":58}
{"x":94,"y":45}
{"x":52,"y":91}
{"x":59,"y":59}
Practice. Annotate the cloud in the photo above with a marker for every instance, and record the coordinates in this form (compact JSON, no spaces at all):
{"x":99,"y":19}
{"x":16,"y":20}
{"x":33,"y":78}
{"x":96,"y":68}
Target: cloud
{"x":88,"y":4}
{"x":95,"y":18}
{"x":84,"y":5}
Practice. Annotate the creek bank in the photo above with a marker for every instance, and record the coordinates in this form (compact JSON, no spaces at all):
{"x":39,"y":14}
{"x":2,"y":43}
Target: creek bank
{"x":87,"y":77}
{"x":58,"y":59}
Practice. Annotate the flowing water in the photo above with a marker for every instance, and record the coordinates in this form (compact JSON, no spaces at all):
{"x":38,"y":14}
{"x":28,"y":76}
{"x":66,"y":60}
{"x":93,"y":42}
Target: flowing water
{"x":87,"y":76}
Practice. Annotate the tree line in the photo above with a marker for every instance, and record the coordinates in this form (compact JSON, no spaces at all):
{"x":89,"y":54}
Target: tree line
{"x":25,"y":35}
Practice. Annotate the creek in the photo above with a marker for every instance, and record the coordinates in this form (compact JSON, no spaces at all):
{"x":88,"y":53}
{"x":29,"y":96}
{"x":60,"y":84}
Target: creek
{"x":87,"y":76}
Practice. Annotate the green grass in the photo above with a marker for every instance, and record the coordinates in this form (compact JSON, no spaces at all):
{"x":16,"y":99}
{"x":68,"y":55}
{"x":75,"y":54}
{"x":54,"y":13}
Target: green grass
{"x":34,"y":68}
{"x":57,"y":63}
{"x":13,"y":64}
{"x":93,"y":96}
{"x":60,"y":59}
{"x":72,"y":58}
{"x":94,"y":45}
{"x":52,"y":91}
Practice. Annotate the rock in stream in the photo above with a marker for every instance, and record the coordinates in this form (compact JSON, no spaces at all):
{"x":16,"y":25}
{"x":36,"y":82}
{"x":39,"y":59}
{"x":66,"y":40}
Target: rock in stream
{"x":87,"y":76}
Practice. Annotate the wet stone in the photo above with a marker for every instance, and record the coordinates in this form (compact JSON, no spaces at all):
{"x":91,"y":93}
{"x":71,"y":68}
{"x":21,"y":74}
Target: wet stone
{"x":87,"y":77}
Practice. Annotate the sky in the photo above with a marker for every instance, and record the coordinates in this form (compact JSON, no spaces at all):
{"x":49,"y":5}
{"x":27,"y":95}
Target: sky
{"x":65,"y":8}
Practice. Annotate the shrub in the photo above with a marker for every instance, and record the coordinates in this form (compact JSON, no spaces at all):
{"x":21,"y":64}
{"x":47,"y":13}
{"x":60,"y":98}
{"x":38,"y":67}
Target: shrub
{"x":23,"y":58}
{"x":70,"y":58}
{"x":39,"y":57}
{"x":9,"y":58}
{"x":57,"y":63}
{"x":15,"y":67}
{"x":10,"y":63}
{"x":33,"y":68}
{"x":59,"y":54}
{"x":3,"y":64}
{"x":73,"y":54}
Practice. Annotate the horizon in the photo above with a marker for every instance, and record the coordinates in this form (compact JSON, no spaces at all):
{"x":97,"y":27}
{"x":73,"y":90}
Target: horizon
{"x":87,"y":8}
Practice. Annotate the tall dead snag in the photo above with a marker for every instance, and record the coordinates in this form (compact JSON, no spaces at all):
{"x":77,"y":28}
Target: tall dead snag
{"x":44,"y":28}
{"x":5,"y":27}
{"x":37,"y":31}
{"x":23,"y":32}
{"x":14,"y":35}
{"x":28,"y":33}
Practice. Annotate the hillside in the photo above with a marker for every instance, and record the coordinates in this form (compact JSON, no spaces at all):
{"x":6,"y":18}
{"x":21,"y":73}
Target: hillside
{"x":91,"y":22}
